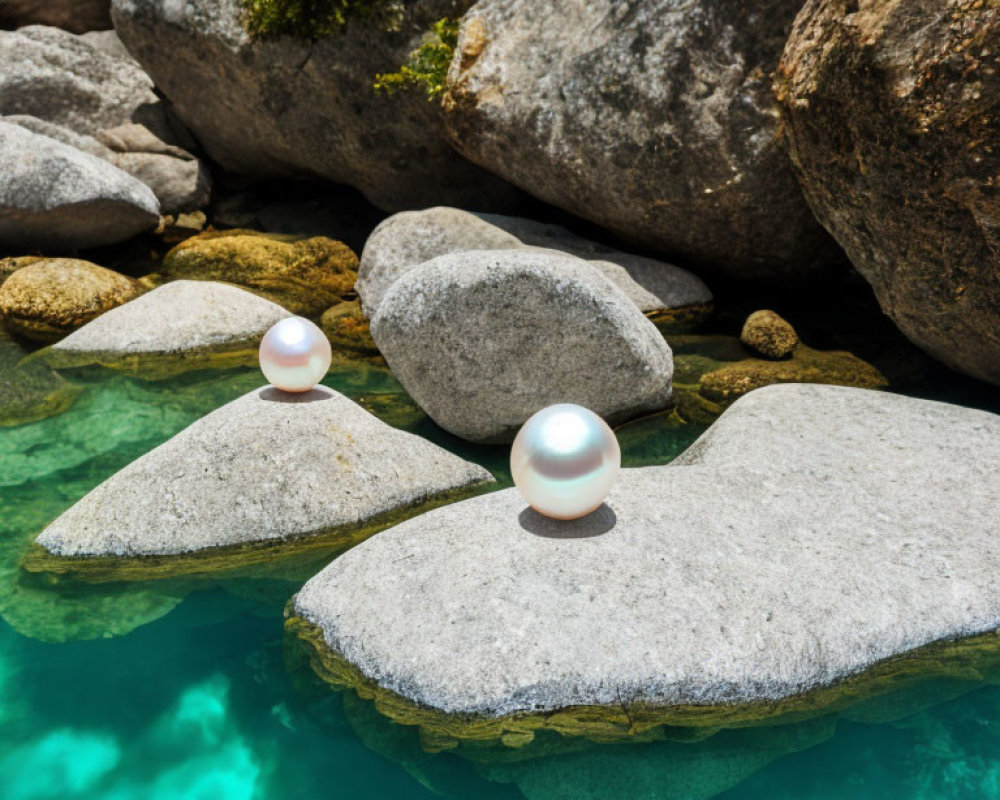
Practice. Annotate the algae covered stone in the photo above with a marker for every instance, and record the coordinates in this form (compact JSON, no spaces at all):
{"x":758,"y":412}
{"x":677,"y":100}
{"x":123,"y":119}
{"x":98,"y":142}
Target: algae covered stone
{"x":769,"y":335}
{"x":267,"y":474}
{"x":179,"y":327}
{"x":30,"y":391}
{"x":817,"y":545}
{"x":484,"y":339}
{"x":348,"y":329}
{"x":50,"y":298}
{"x":305,"y":276}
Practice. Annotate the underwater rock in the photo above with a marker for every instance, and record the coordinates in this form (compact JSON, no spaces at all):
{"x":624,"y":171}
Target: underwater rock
{"x":305,"y":107}
{"x":179,"y":327}
{"x":305,"y":276}
{"x":816,"y":546}
{"x":892,"y":112}
{"x":88,"y":89}
{"x":49,"y":298}
{"x":659,"y":123}
{"x":77,"y":16}
{"x":483,"y":339}
{"x":56,"y":198}
{"x":769,"y":335}
{"x":269,"y":474}
{"x":30,"y":392}
{"x":347,"y":328}
{"x":407,"y":239}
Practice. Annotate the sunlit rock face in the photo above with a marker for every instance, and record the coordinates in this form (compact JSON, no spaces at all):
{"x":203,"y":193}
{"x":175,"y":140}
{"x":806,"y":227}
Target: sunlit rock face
{"x":812,"y":533}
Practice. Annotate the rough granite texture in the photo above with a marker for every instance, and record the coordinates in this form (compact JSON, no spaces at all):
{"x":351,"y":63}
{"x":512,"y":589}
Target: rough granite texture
{"x":267,"y":466}
{"x":481,"y":340}
{"x":893,"y":114}
{"x":810,"y":533}
{"x":177,"y":317}
{"x":88,"y":87}
{"x":407,"y":239}
{"x":653,"y":118}
{"x":769,"y":334}
{"x":289,"y":107}
{"x":57,"y":198}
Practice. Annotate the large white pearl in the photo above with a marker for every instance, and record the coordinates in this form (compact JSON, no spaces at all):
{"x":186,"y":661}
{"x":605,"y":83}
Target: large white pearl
{"x":295,"y":355}
{"x":565,"y":460}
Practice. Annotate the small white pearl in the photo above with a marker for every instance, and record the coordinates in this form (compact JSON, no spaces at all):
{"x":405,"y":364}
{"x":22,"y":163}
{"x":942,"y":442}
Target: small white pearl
{"x":295,"y":355}
{"x":565,"y":460}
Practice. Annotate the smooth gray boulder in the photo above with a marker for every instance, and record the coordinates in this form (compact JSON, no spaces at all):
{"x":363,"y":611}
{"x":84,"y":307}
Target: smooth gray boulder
{"x":179,"y":326}
{"x":481,"y":340}
{"x":302,"y":108}
{"x":268,"y":467}
{"x":810,"y":534}
{"x":405,"y":240}
{"x":652,"y":118}
{"x":88,"y":87}
{"x":54,"y":197}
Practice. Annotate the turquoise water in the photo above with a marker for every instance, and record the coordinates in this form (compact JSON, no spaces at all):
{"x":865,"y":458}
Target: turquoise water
{"x":182,"y":690}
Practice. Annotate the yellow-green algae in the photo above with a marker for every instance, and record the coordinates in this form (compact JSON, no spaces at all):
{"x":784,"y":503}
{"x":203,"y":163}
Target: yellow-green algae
{"x":427,"y":67}
{"x":682,"y":319}
{"x":347,"y":329}
{"x":969,"y":659}
{"x":315,"y":19}
{"x":30,"y":392}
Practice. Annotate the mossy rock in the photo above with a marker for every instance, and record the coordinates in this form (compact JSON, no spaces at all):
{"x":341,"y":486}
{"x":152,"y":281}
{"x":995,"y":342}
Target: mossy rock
{"x":46,"y":299}
{"x":681,"y":319}
{"x":347,"y":328}
{"x":837,"y":368}
{"x":30,"y":391}
{"x":304,"y":275}
{"x":769,"y":335}
{"x":11,"y":264}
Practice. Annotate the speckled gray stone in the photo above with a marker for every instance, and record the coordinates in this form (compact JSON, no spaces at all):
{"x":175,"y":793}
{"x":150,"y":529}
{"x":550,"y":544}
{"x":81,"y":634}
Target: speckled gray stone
{"x":484,"y":339}
{"x":810,"y":533}
{"x":267,"y":466}
{"x":54,"y":197}
{"x":179,"y":317}
{"x":409,"y":238}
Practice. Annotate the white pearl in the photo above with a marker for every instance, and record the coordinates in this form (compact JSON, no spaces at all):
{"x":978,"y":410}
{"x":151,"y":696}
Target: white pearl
{"x":295,"y":355}
{"x":565,"y":460}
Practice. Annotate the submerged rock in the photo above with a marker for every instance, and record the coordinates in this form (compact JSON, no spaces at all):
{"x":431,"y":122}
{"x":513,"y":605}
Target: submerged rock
{"x":30,"y":391}
{"x":410,"y":238}
{"x":179,"y":327}
{"x":658,"y":123}
{"x":54,"y":197}
{"x":348,"y":329}
{"x":49,"y":298}
{"x":815,"y":546}
{"x":305,"y":276}
{"x":893,"y":111}
{"x":484,"y":339}
{"x":769,"y":335}
{"x":284,"y":106}
{"x":269,"y":474}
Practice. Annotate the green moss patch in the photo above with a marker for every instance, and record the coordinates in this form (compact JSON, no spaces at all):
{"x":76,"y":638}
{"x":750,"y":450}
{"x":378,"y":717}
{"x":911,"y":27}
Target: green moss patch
{"x":427,"y":68}
{"x":314,"y":19}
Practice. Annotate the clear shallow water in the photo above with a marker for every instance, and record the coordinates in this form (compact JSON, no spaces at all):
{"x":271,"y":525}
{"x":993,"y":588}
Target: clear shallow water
{"x":181,"y":691}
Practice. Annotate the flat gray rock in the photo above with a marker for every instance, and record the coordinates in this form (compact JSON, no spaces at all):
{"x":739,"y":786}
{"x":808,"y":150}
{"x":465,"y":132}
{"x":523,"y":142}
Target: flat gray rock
{"x":812,"y":532}
{"x":54,"y":197}
{"x":174,"y":319}
{"x":481,"y":340}
{"x":409,"y":238}
{"x":269,"y":466}
{"x":89,"y":86}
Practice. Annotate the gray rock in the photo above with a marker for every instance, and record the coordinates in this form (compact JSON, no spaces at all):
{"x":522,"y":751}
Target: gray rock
{"x":182,"y":319}
{"x":290,"y":107}
{"x":54,"y":197}
{"x":658,"y":123}
{"x":811,"y":533}
{"x":91,"y":89}
{"x":408,"y":239}
{"x":483,"y":339}
{"x":268,"y":467}
{"x":71,"y":15}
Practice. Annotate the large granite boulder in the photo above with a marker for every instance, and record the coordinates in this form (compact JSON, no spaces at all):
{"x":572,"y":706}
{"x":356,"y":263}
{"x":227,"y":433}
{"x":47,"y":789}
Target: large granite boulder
{"x":54,"y":197}
{"x":892,"y":113}
{"x":86,"y":93}
{"x":406,"y":240}
{"x":48,"y":298}
{"x":652,"y":118}
{"x":77,"y":16}
{"x":269,"y":473}
{"x":179,"y":327}
{"x":817,"y":545}
{"x":484,"y":339}
{"x":301,"y":107}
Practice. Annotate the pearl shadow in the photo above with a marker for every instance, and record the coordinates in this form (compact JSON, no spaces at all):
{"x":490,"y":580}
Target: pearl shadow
{"x":597,"y":523}
{"x":273,"y":395}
